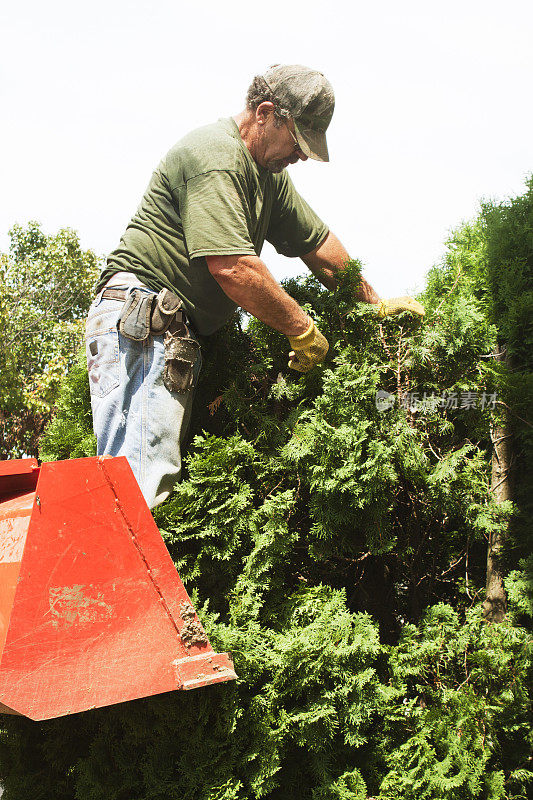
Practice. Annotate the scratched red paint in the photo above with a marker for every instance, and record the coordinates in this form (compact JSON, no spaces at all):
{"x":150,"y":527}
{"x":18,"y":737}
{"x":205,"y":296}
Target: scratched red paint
{"x":14,"y":520}
{"x":90,"y":605}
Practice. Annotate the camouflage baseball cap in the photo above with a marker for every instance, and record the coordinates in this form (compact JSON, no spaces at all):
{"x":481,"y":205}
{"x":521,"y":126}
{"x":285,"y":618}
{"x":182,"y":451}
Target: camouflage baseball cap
{"x":309,"y":98}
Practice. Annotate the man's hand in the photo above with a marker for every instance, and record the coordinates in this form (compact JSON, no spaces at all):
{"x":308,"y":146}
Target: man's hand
{"x":308,"y":349}
{"x":387,"y":308}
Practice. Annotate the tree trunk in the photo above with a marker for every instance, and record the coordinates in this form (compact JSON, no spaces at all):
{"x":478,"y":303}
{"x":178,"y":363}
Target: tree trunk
{"x":495,"y":604}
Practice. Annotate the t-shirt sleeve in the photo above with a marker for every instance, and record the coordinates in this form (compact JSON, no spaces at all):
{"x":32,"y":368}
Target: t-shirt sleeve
{"x":213,"y":209}
{"x":294,"y":228}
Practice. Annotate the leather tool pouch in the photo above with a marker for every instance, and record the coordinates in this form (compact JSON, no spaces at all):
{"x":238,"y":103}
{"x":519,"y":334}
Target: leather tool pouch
{"x":180,"y":357}
{"x":164,"y":309}
{"x":134,"y":320}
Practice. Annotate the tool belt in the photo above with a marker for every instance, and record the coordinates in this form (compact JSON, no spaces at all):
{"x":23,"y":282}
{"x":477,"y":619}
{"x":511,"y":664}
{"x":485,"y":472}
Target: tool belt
{"x":146,"y":314}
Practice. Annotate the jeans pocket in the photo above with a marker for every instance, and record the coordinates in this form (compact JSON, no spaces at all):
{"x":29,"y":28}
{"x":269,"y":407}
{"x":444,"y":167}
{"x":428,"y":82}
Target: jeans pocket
{"x":102,"y":349}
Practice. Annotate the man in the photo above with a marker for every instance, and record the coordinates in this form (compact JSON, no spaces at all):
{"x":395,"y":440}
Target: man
{"x":191,"y":255}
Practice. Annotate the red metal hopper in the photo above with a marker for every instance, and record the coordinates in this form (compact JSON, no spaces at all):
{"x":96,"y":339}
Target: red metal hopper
{"x":92,"y":610}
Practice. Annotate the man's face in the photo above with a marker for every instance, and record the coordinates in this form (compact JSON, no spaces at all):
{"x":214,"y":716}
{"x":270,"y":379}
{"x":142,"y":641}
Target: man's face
{"x":276,"y":147}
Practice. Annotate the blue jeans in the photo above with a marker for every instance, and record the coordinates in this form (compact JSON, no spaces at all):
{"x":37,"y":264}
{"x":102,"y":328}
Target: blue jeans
{"x":134,"y":414}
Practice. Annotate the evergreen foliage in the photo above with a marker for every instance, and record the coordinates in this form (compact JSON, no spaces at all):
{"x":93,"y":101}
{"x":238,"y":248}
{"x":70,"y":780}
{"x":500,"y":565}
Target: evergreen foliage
{"x":508,"y":232}
{"x":336,"y":545}
{"x":464,"y":703}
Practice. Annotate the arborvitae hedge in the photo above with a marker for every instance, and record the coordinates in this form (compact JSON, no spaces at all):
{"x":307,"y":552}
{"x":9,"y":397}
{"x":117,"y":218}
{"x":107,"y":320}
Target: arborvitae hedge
{"x":338,"y":551}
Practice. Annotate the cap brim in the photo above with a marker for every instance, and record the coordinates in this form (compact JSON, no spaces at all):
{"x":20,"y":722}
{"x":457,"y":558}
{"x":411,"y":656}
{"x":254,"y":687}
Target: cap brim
{"x":312,"y":143}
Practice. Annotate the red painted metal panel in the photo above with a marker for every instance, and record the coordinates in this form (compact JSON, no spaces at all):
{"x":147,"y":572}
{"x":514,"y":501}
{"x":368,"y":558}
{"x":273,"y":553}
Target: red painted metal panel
{"x":14,"y":521}
{"x":18,"y":475}
{"x":18,"y":466}
{"x":99,"y":614}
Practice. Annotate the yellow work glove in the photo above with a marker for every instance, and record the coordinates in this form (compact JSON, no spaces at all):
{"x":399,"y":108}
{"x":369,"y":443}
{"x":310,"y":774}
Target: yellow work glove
{"x":308,"y":349}
{"x":387,"y":308}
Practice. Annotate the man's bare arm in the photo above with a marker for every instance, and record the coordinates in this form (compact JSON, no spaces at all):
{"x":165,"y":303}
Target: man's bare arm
{"x":326,"y":260}
{"x":246,"y":280}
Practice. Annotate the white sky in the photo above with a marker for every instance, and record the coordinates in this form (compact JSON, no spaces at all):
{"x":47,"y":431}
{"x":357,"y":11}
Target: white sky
{"x":434,"y":111}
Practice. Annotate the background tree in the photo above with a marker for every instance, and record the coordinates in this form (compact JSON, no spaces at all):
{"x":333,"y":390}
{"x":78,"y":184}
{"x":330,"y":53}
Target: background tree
{"x":508,"y":233}
{"x":45,"y":291}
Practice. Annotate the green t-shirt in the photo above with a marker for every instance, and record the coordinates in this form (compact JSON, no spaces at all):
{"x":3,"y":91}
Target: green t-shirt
{"x":209,"y":197}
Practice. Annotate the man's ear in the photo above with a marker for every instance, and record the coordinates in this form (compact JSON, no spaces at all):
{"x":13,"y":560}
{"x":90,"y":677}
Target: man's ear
{"x":263,"y":111}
